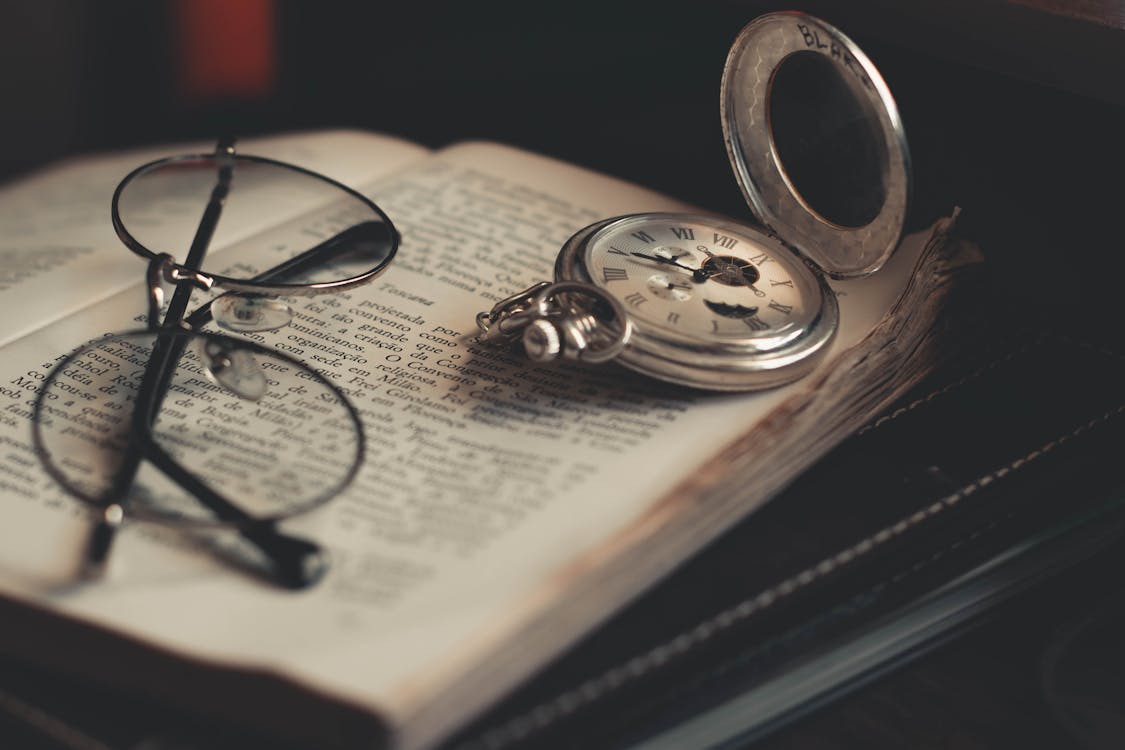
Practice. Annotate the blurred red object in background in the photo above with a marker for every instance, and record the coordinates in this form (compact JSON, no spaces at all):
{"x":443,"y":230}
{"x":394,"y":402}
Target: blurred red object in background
{"x":226,"y":50}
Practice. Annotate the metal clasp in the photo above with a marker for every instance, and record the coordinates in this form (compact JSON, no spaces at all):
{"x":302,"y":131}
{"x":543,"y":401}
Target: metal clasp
{"x":571,"y":319}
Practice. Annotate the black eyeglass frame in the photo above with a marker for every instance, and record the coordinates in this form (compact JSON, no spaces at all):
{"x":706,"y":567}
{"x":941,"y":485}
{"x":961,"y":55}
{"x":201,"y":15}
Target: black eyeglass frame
{"x":297,"y":563}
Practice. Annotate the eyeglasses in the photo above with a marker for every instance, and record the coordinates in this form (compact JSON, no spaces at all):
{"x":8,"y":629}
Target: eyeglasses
{"x":198,"y":429}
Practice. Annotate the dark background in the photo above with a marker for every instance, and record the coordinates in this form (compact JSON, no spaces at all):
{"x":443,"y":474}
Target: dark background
{"x":1013,"y":109}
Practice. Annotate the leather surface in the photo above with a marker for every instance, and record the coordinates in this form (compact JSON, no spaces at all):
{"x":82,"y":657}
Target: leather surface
{"x":1018,"y":437}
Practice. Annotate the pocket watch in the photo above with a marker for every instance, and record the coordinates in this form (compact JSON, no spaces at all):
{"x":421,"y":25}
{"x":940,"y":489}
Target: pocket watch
{"x":818,"y":149}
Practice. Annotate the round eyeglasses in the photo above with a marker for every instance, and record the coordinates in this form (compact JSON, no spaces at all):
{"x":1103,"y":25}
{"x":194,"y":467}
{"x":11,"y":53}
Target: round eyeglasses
{"x":199,"y":429}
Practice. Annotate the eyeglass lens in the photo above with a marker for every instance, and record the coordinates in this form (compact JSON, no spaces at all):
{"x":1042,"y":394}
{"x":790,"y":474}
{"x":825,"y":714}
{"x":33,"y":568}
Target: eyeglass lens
{"x":253,"y":425}
{"x":272,"y":214}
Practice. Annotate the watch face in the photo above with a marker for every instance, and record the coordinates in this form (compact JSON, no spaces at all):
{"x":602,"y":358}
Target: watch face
{"x":698,"y":279}
{"x":715,"y":304}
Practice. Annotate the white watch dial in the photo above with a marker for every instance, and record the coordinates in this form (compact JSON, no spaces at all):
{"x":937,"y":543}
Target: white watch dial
{"x":701,"y":279}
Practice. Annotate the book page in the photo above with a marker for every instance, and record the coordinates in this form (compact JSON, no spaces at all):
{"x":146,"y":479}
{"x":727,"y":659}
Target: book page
{"x":58,"y":250}
{"x":492,"y":488}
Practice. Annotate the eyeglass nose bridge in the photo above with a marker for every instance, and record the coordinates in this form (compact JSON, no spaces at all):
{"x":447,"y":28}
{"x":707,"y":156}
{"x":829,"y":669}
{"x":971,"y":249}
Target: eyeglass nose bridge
{"x":164,"y":268}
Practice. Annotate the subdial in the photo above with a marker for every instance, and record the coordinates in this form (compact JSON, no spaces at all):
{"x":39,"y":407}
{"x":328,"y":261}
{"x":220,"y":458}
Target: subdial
{"x":666,"y":287}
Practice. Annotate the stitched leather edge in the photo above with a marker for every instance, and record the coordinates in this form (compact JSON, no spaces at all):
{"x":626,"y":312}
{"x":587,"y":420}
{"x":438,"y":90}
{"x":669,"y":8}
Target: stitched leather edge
{"x":567,"y":702}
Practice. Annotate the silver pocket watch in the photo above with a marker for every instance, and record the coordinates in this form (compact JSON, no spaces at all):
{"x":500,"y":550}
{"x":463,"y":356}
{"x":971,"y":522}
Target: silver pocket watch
{"x":818,"y":149}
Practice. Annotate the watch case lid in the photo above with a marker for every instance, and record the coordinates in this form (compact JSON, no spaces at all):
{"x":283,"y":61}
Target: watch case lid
{"x":816,"y":142}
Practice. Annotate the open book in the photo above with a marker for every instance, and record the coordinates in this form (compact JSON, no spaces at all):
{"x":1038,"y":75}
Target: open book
{"x":504,"y":508}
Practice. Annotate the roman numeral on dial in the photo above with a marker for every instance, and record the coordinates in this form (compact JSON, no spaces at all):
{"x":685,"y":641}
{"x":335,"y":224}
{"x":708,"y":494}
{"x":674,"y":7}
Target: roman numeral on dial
{"x":644,"y":236}
{"x":614,"y":274}
{"x":724,"y":241}
{"x":683,"y":233}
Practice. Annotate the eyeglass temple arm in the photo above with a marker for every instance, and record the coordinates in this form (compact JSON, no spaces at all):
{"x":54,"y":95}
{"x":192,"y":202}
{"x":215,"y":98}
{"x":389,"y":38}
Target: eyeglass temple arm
{"x":202,"y":240}
{"x":157,"y":373}
{"x":162,"y":364}
{"x":115,"y":503}
{"x":297,"y":563}
{"x":177,"y":308}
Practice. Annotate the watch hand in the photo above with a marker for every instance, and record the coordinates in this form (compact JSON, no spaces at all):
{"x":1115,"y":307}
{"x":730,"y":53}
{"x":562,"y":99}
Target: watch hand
{"x":659,"y":259}
{"x":666,"y":261}
{"x":700,"y":275}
